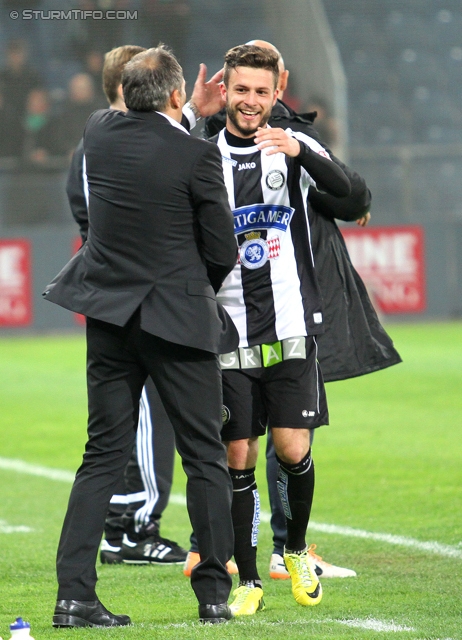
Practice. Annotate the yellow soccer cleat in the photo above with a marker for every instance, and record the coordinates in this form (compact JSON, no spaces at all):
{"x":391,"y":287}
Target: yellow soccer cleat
{"x":248,"y":600}
{"x":306,"y":588}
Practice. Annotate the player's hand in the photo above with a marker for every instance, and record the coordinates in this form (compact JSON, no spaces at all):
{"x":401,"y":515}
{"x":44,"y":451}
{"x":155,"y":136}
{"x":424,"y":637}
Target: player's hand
{"x":206,"y":96}
{"x":276,"y":141}
{"x":364,"y":221}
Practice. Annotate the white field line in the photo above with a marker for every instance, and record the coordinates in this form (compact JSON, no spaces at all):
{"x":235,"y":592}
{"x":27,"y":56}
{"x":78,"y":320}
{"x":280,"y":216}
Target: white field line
{"x":375,"y":625}
{"x":35,"y":470}
{"x":433,"y":547}
{"x":436,"y":548}
{"x":8,"y":528}
{"x":369,"y":624}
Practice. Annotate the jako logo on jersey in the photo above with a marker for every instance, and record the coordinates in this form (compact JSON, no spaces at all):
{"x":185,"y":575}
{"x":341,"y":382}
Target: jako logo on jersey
{"x":275,"y":180}
{"x":246,"y":165}
{"x":262,"y":216}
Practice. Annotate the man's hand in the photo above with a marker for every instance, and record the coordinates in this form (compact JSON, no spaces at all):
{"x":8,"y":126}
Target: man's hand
{"x":278,"y":141}
{"x":364,"y":221}
{"x":206,"y":96}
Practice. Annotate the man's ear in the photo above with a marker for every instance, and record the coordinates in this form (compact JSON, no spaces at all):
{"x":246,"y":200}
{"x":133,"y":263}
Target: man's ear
{"x":283,"y":80}
{"x":176,"y":99}
{"x":223,"y":91}
{"x":120,"y":92}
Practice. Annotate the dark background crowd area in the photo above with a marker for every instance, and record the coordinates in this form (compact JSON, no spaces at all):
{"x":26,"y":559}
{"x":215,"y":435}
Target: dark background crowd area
{"x":403,"y":63}
{"x":50,"y":70}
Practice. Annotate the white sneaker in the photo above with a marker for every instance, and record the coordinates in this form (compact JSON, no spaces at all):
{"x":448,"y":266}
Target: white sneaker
{"x":278,"y":571}
{"x":327,"y":570}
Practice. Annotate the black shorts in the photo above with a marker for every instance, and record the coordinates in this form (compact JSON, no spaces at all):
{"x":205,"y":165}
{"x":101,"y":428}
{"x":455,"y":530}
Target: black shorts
{"x":289,"y":394}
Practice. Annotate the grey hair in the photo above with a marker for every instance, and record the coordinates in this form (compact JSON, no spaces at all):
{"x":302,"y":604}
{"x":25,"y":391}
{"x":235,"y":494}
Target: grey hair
{"x":149,"y":79}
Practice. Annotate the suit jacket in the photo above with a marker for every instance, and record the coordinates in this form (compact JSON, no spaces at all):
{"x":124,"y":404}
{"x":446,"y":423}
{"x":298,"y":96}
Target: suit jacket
{"x":75,"y":186}
{"x":160,"y":235}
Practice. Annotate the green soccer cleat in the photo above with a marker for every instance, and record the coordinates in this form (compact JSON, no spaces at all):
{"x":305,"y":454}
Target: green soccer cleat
{"x":248,"y":600}
{"x":306,"y":588}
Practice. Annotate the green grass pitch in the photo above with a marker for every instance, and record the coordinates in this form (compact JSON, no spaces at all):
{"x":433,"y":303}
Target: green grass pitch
{"x":389,"y":480}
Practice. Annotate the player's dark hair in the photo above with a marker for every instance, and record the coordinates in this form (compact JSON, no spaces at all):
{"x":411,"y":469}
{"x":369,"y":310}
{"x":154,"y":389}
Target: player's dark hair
{"x":114,"y":63}
{"x":249,"y":55}
{"x":149,"y":79}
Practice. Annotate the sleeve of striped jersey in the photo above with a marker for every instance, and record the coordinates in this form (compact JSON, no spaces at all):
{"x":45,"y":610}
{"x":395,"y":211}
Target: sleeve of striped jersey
{"x":327,"y":175}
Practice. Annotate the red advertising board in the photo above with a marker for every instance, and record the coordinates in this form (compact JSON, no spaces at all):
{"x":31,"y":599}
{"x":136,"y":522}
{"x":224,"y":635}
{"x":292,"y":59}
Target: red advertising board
{"x":390,"y":260}
{"x":15,"y":283}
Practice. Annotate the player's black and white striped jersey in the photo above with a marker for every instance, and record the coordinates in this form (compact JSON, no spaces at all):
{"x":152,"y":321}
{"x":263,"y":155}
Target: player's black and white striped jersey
{"x":272,"y":293}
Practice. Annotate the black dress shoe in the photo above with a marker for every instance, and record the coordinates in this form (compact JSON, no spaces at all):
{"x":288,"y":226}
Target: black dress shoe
{"x":86,"y":613}
{"x":214,"y":613}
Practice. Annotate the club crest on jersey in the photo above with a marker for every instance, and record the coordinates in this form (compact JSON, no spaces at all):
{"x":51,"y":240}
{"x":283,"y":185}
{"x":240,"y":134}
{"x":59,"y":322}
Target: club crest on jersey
{"x":271,"y":245}
{"x":254,"y":252}
{"x":275,"y":180}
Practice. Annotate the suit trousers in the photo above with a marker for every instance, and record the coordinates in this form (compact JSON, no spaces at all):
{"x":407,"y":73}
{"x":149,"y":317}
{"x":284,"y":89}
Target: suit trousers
{"x":119,"y":359}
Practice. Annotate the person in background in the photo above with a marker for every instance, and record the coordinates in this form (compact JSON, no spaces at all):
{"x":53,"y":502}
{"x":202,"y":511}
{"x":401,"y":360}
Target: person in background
{"x":42,"y":144}
{"x":80,"y":103}
{"x":17,"y":78}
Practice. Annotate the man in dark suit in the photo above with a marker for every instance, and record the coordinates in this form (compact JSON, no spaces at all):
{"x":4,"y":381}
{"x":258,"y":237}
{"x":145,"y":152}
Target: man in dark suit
{"x":160,"y":244}
{"x":132,"y":530}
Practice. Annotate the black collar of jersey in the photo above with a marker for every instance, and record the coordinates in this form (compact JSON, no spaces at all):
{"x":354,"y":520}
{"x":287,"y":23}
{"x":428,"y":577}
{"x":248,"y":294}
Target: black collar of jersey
{"x":236,"y":141}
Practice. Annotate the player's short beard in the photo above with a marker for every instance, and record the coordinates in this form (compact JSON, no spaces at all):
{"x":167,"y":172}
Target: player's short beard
{"x":246,"y":133}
